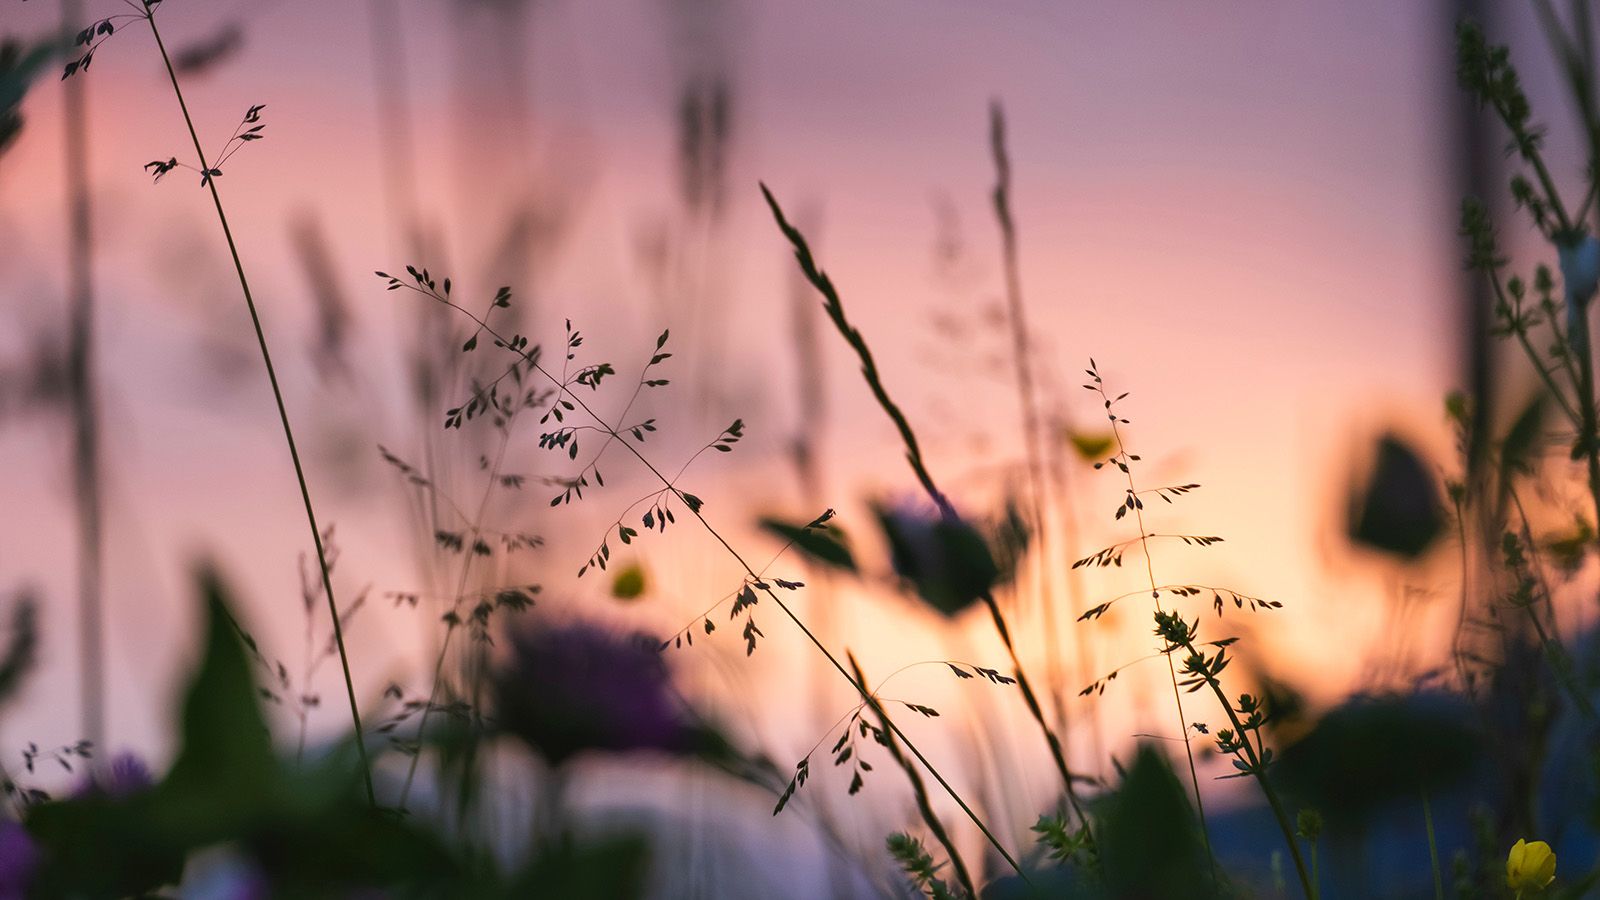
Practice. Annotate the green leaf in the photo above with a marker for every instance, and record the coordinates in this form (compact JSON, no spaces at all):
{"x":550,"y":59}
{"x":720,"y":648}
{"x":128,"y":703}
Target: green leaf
{"x":826,"y":545}
{"x":597,"y":870}
{"x":18,"y":66}
{"x":225,"y":773}
{"x":1148,"y":839}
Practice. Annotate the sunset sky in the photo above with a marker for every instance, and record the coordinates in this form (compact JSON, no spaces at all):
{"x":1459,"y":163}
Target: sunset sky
{"x":1245,"y":213}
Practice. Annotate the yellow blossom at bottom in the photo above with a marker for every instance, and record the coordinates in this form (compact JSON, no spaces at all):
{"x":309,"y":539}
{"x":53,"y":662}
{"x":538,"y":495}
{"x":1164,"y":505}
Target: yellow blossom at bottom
{"x":1530,"y":867}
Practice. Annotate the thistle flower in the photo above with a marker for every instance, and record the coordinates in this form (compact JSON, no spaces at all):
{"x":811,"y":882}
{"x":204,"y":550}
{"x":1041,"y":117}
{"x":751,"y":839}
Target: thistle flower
{"x":575,"y":688}
{"x":1530,"y":867}
{"x":125,"y":776}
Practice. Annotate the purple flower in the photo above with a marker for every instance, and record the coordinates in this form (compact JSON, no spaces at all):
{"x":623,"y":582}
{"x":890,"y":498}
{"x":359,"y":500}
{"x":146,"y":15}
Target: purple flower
{"x":19,"y":857}
{"x":575,"y":688}
{"x":124,"y":776}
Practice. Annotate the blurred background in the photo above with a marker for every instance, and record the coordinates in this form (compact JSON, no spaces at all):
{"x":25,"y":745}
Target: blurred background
{"x":1245,"y":214}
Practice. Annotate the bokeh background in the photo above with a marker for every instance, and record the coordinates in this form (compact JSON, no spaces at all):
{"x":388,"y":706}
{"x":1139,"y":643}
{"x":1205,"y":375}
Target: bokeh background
{"x":1245,"y":213}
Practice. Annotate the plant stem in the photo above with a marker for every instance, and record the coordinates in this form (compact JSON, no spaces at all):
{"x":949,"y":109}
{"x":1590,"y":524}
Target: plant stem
{"x":1433,"y":847}
{"x":1021,"y":360}
{"x":283,"y":413}
{"x":1533,"y":356}
{"x":1316,"y":880}
{"x":532,"y":360}
{"x":1155,"y":595}
{"x":1590,"y":427}
{"x":1554,"y":650}
{"x":869,"y":371}
{"x":923,"y":805}
{"x":454,"y":621}
{"x":1257,"y":769}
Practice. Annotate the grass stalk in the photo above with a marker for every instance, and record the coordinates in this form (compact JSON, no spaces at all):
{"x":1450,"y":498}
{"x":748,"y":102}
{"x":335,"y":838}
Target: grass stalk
{"x":1433,"y":847}
{"x":1027,"y":399}
{"x":283,"y":413}
{"x":1258,"y":768}
{"x":1155,"y":594}
{"x":924,"y":806}
{"x":1550,"y":642}
{"x":532,"y":360}
{"x":453,"y":622}
{"x":869,"y":371}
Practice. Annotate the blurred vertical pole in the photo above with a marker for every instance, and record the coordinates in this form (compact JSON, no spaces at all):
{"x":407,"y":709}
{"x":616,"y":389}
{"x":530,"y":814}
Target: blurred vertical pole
{"x":1028,"y":406}
{"x":80,"y":368}
{"x":397,"y":159}
{"x":705,"y":35}
{"x":1472,"y":172}
{"x":397,"y":155}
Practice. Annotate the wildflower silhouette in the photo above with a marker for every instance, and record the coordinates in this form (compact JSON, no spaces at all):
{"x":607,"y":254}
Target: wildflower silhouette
{"x":575,"y":688}
{"x":1530,"y":867}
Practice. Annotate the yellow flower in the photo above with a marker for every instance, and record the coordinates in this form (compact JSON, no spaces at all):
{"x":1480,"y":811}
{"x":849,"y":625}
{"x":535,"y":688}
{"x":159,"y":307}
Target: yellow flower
{"x":1530,"y":867}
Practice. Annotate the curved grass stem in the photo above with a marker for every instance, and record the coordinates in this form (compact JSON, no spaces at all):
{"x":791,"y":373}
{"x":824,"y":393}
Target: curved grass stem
{"x":869,"y":371}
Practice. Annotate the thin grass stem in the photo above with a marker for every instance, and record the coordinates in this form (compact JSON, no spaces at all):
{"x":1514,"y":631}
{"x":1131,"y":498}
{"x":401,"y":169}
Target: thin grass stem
{"x":283,"y":413}
{"x":562,"y":391}
{"x":1433,"y":847}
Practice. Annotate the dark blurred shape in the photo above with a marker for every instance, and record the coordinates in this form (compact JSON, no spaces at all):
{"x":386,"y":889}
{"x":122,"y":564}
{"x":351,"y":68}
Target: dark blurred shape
{"x":1568,"y":548}
{"x":1009,"y":536}
{"x":310,"y":832}
{"x":1289,"y":718}
{"x":39,"y":381}
{"x":22,"y":645}
{"x":199,"y":57}
{"x":613,"y":868}
{"x":825,"y":543}
{"x":19,"y":858}
{"x":704,"y":124}
{"x":630,"y":582}
{"x":1520,"y":448}
{"x":1148,"y":839}
{"x":1399,"y":511}
{"x":702,"y":38}
{"x":315,"y":253}
{"x":943,"y":557}
{"x":576,"y":688}
{"x":18,"y":64}
{"x":1373,"y":751}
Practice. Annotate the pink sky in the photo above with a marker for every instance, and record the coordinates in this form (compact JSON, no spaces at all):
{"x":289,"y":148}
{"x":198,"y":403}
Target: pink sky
{"x":1243,"y":213}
